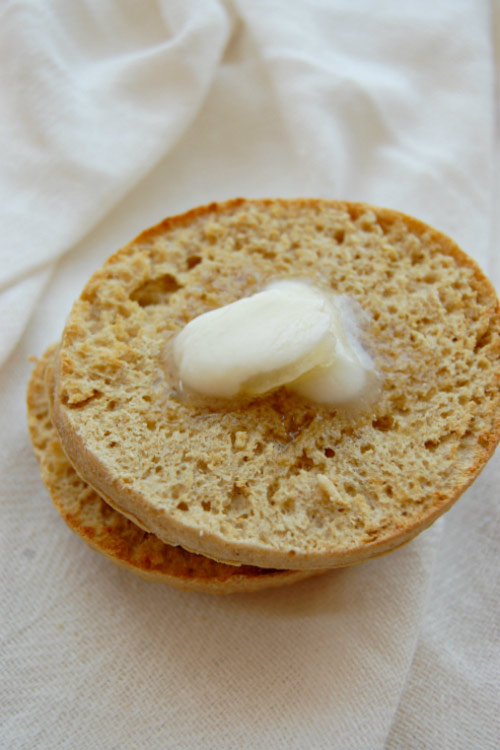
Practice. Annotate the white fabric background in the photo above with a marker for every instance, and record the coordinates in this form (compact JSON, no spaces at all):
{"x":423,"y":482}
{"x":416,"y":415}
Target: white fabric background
{"x":114,"y":115}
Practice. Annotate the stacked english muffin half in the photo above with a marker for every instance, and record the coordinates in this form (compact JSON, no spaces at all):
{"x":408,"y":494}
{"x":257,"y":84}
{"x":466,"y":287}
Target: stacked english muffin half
{"x":244,"y":493}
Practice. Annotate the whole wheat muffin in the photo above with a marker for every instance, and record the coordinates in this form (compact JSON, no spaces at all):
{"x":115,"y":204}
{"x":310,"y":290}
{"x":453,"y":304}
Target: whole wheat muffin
{"x":278,"y":481}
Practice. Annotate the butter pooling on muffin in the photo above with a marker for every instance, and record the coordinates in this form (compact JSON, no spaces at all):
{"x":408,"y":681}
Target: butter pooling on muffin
{"x":290,"y":334}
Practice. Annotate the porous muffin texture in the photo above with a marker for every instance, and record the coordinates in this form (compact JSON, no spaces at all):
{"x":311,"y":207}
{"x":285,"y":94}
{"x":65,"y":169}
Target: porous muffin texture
{"x":110,"y":533}
{"x":278,"y":481}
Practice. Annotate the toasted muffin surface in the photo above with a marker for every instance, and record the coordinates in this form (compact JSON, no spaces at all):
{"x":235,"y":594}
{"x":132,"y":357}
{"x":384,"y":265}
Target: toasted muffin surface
{"x":278,"y":481}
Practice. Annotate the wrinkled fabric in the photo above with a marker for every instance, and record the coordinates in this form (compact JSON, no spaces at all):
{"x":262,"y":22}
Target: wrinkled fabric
{"x":115,"y":115}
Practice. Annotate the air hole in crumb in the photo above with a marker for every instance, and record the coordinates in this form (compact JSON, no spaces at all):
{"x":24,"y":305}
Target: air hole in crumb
{"x":350,"y":489}
{"x":111,"y":406}
{"x":384,"y":423}
{"x":202,"y":465}
{"x":266,"y":252}
{"x":431,"y":445}
{"x":329,"y":452}
{"x":112,"y":444}
{"x":259,"y":448}
{"x":150,"y":424}
{"x":271,"y":489}
{"x":482,"y":341}
{"x":155,"y":291}
{"x":206,"y":505}
{"x":182,"y":506}
{"x":193,"y":261}
{"x":366,"y":447}
{"x":388,"y":491}
{"x":238,"y":500}
{"x":302,"y":463}
{"x":235,"y":492}
{"x":339,"y":236}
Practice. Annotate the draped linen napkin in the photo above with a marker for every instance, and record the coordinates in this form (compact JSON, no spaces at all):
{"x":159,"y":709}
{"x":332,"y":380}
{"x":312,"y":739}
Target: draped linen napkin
{"x":115,"y":115}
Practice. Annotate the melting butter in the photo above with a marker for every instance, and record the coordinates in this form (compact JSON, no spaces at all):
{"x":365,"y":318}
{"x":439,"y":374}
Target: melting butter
{"x":290,"y":334}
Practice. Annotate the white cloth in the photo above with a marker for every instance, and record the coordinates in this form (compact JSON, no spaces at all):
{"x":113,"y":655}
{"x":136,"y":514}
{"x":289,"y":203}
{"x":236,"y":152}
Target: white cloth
{"x":115,"y":114}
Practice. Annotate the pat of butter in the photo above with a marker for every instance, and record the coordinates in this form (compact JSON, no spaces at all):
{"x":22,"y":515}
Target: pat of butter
{"x":290,"y":334}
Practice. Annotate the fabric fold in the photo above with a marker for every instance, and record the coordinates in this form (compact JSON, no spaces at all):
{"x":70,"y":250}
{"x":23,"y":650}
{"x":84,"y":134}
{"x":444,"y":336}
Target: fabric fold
{"x":93,"y":96}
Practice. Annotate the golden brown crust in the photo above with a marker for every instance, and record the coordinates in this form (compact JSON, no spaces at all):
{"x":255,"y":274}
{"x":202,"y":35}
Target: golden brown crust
{"x":337,"y":493}
{"x":106,"y":531}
